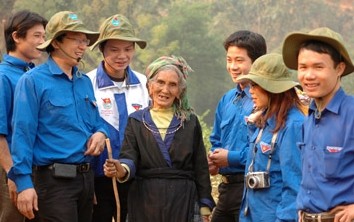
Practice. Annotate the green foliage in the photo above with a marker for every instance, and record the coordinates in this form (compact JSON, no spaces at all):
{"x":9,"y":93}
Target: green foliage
{"x":206,"y":130}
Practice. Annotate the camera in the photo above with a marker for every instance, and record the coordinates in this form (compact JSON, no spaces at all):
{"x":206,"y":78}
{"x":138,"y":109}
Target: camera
{"x":257,"y":180}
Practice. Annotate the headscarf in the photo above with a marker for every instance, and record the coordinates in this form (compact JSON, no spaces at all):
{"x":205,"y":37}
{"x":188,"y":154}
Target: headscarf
{"x":182,"y":109}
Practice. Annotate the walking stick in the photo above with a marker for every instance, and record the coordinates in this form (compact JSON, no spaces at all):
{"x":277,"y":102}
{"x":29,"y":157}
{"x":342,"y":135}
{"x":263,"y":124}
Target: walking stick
{"x":114,"y":180}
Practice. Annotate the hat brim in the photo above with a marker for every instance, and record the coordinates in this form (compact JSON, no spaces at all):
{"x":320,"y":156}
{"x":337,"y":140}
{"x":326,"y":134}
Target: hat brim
{"x":141,"y":43}
{"x":293,"y":42}
{"x":92,"y":36}
{"x":270,"y":85}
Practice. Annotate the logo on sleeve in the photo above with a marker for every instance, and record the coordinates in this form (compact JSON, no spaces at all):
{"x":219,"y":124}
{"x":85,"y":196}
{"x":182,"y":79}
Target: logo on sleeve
{"x":136,"y":106}
{"x":334,"y":149}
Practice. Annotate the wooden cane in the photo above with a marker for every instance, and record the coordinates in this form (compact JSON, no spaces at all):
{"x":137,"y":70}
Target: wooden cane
{"x":114,"y":180}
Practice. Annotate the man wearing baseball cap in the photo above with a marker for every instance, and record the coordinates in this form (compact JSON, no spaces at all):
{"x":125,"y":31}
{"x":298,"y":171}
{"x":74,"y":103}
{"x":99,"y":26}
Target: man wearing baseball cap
{"x":120,"y":91}
{"x":57,"y":128}
{"x":326,"y":192}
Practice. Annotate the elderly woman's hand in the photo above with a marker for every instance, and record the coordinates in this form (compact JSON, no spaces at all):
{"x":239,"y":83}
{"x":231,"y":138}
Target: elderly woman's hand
{"x":113,"y":168}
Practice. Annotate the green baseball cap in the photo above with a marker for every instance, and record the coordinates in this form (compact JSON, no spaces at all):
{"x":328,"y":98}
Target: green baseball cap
{"x":294,"y":40}
{"x":270,"y":73}
{"x":118,"y":27}
{"x":65,"y":21}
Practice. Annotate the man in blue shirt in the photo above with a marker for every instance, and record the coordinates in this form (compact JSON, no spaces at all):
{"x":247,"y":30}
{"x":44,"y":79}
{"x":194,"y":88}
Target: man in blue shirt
{"x":57,"y":128}
{"x":229,"y":136}
{"x":23,"y":32}
{"x":327,"y":188}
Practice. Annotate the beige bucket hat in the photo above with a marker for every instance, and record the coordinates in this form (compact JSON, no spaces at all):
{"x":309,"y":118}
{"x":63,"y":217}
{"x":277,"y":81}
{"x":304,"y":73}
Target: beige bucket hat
{"x":270,"y":73}
{"x":65,"y":21}
{"x":294,"y":40}
{"x":118,"y":27}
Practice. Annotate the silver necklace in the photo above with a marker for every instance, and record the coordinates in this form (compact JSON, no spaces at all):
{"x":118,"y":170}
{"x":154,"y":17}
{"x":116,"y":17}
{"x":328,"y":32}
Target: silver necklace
{"x":149,"y":127}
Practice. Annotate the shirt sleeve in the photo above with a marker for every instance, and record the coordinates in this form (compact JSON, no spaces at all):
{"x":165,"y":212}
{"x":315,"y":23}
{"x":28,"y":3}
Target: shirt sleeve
{"x":5,"y":103}
{"x":290,"y":165}
{"x":25,"y":122}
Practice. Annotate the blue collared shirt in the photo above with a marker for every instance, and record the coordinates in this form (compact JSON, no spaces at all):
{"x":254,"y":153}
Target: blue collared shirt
{"x":11,"y":69}
{"x":53,"y":119}
{"x":328,"y":156}
{"x":276,"y":203}
{"x":230,"y":128}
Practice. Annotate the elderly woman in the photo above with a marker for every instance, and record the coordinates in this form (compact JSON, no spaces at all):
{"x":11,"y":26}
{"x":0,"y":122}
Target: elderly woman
{"x":273,"y":164}
{"x":163,"y":150}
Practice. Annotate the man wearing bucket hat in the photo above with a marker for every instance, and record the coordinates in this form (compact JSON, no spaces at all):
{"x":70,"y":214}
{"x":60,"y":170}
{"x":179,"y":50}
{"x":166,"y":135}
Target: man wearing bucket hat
{"x":326,"y":191}
{"x":120,"y":91}
{"x":273,"y":168}
{"x":57,"y":128}
{"x":23,"y":32}
{"x":229,"y":136}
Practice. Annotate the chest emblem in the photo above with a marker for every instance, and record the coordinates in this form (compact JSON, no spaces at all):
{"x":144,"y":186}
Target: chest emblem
{"x":265,"y":147}
{"x":107,"y":104}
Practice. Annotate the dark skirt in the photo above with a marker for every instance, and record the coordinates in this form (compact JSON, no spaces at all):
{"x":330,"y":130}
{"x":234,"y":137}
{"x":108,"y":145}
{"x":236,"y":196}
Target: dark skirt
{"x":161,"y":200}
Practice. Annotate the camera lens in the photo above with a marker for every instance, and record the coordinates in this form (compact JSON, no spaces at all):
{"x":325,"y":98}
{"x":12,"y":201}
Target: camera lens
{"x":252,"y":182}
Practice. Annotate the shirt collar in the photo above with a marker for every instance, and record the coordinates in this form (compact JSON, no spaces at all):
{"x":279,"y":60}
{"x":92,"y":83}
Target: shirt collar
{"x":245,"y":91}
{"x":104,"y":81}
{"x":14,"y":61}
{"x":333,"y":105}
{"x":56,"y":70}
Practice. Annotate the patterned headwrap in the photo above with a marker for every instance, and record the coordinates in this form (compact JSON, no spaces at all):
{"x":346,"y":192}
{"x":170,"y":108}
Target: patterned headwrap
{"x":182,"y":108}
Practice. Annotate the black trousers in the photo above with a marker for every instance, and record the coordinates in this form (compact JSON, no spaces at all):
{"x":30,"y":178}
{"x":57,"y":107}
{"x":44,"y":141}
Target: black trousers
{"x":228,"y":206}
{"x":64,"y":200}
{"x":106,"y":208}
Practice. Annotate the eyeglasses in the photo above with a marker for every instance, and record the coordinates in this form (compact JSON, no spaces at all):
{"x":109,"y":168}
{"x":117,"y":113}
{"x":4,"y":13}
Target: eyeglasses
{"x":85,"y":42}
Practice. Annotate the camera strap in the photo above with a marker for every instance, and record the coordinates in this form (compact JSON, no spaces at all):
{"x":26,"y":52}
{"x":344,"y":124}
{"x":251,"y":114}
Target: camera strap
{"x":272,"y":148}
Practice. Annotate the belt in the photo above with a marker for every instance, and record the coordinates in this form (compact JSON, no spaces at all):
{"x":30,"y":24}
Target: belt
{"x":233,"y":178}
{"x":319,"y":217}
{"x":80,"y":168}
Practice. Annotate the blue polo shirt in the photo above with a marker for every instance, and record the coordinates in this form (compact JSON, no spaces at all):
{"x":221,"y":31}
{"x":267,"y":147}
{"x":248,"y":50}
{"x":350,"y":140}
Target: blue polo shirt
{"x":230,"y":128}
{"x":11,"y":69}
{"x":328,"y":156}
{"x":54,"y":117}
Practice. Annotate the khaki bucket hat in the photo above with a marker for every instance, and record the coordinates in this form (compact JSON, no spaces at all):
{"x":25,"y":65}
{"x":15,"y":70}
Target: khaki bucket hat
{"x":118,"y":27}
{"x":65,"y":21}
{"x":294,"y":40}
{"x":270,"y":73}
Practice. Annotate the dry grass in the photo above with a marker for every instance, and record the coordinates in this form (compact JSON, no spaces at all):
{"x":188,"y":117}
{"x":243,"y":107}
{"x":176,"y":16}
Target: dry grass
{"x":215,"y":181}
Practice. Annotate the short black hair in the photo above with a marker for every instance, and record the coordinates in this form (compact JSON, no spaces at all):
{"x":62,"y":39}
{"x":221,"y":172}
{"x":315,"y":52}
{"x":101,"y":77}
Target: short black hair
{"x":323,"y":48}
{"x":21,"y":22}
{"x":254,"y":43}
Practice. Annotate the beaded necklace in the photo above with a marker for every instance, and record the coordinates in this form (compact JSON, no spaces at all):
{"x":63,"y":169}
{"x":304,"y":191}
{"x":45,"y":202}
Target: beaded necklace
{"x":150,"y":127}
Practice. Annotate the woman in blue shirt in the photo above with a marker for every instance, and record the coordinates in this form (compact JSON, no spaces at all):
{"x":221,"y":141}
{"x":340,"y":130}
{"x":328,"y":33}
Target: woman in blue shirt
{"x":273,"y":165}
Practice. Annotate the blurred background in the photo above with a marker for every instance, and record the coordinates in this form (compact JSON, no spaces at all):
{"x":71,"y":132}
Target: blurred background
{"x":196,"y":29}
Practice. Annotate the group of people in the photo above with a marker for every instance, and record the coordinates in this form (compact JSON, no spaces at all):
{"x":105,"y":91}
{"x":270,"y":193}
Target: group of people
{"x":279,"y":160}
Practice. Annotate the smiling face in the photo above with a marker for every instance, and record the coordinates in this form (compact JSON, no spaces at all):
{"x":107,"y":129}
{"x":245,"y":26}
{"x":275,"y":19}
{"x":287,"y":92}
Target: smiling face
{"x":72,"y":47}
{"x":164,"y":89}
{"x":318,"y":75}
{"x":26,"y":47}
{"x":118,"y":54}
{"x":237,"y":62}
